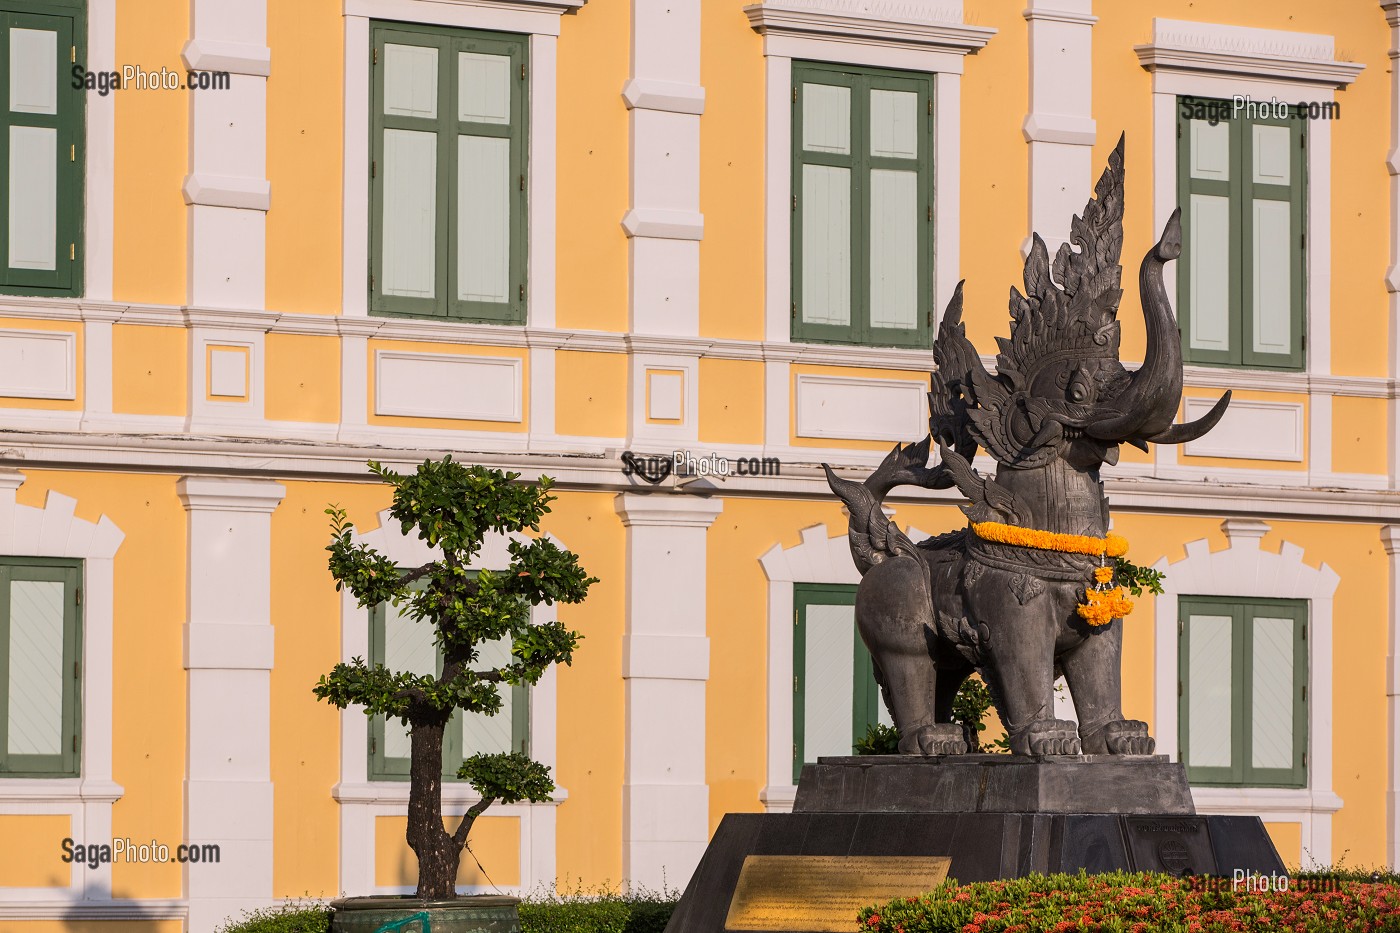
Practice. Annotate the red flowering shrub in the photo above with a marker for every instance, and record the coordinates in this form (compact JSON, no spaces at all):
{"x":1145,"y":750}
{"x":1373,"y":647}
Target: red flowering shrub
{"x":1138,"y":903}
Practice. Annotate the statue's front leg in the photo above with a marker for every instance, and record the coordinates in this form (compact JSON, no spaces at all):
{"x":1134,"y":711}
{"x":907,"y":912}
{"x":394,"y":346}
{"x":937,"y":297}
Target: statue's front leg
{"x":1022,"y":622}
{"x":1093,"y":671}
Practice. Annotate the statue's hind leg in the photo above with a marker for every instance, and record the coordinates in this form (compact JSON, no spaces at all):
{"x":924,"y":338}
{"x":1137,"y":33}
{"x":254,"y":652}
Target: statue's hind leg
{"x":895,"y":615}
{"x":1093,"y":671}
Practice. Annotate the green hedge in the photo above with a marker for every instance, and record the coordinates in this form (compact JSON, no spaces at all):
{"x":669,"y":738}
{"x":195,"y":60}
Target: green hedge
{"x":1144,"y":903}
{"x":606,"y":913}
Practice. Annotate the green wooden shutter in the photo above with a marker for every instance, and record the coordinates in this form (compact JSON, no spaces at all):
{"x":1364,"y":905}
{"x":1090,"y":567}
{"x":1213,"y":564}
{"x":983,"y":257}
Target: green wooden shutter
{"x":448,"y":178}
{"x":1243,"y":706}
{"x":1242,"y":188}
{"x":41,"y":149}
{"x":829,"y":653}
{"x":40,"y":686}
{"x":862,"y":205}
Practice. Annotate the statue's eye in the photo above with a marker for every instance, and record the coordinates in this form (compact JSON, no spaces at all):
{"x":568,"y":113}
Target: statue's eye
{"x":1076,"y":393}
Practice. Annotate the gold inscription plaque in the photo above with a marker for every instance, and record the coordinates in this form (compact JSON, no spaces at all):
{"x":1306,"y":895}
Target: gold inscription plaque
{"x":824,"y":893}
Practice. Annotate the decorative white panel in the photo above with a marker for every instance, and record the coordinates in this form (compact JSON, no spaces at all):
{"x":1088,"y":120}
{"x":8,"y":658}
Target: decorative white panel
{"x":1210,"y":150}
{"x":410,"y":81}
{"x":830,"y":681}
{"x":1272,"y":153}
{"x":826,"y":244}
{"x":483,"y":88}
{"x":1208,"y":679}
{"x":228,"y":373}
{"x":1273,"y":277}
{"x":38,"y":364}
{"x":1273,"y":693}
{"x":410,"y":213}
{"x":33,"y":215}
{"x":1250,"y":430}
{"x":36,"y":661}
{"x":430,"y":385}
{"x":894,"y":244}
{"x":860,"y":409}
{"x":490,"y":734}
{"x":33,"y":71}
{"x":408,"y":646}
{"x":483,"y":218}
{"x":826,"y":118}
{"x":666,"y":396}
{"x":894,"y":124}
{"x":1210,"y":271}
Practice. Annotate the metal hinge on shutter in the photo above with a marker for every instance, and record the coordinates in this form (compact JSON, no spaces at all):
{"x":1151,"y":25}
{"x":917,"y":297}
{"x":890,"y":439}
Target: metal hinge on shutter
{"x":72,"y":251}
{"x":1305,"y":693}
{"x":371,"y":281}
{"x":930,"y":106}
{"x":78,"y":596}
{"x":1305,"y":627}
{"x":374,"y":57}
{"x":794,"y":94}
{"x":522,"y":291}
{"x":373,"y":168}
{"x":930,"y":213}
{"x":73,"y":153}
{"x":1305,"y":759}
{"x":75,"y":741}
{"x":77,"y":670}
{"x":794,"y":683}
{"x":794,"y":317}
{"x":373,"y":744}
{"x":1180,"y":690}
{"x":522,"y":71}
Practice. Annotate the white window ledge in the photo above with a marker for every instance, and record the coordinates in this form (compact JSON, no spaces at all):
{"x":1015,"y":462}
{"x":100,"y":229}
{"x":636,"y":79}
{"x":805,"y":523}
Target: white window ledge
{"x":1264,"y":801}
{"x":58,"y":790}
{"x":396,"y":792}
{"x":1239,"y":51}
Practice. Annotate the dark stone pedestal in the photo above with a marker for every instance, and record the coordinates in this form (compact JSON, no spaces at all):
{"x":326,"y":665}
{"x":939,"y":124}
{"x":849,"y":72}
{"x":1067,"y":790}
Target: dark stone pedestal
{"x":994,"y":816}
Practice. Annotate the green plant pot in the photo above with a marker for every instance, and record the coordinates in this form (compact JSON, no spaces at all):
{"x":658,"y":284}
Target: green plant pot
{"x":483,"y":913}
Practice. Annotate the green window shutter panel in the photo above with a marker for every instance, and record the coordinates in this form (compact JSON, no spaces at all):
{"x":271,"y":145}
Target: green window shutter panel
{"x":1242,"y":187}
{"x":40,"y":650}
{"x":41,"y":148}
{"x":448,"y":178}
{"x":829,"y":654}
{"x":862,"y":205}
{"x":401,"y":644}
{"x":1243,"y":706}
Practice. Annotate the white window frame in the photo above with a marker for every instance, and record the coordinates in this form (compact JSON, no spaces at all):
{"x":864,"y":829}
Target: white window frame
{"x":1244,"y":570}
{"x":362,"y":800}
{"x":1189,"y":59}
{"x":820,"y":558}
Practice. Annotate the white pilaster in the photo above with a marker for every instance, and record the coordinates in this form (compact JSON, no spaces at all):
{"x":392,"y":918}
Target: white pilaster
{"x":1390,"y":537}
{"x":1392,"y":274}
{"x":227,"y":188}
{"x":228,"y":654}
{"x":1060,"y":128}
{"x":665,"y":663}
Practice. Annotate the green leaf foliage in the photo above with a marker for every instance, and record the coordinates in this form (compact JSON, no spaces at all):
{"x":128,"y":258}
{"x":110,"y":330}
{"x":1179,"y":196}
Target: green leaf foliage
{"x":509,"y":778}
{"x":1136,"y":578}
{"x":285,"y":918}
{"x":879,"y":739}
{"x":604,"y":912}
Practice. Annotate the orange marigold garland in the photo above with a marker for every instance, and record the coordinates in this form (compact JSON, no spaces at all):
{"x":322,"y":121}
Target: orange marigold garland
{"x":1102,"y":603}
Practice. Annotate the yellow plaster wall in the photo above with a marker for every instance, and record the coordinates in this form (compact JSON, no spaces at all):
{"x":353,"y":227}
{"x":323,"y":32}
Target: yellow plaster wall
{"x":1359,"y":435}
{"x":494,"y":840}
{"x":305,"y":733}
{"x":731,"y":173}
{"x":590,"y":758}
{"x":305,"y":149}
{"x":1186,"y":459}
{"x":590,"y":394}
{"x":845,"y":372}
{"x":150,"y":370}
{"x":94,"y":926}
{"x":593,"y":158}
{"x":449,"y":424}
{"x":32,"y":856}
{"x":1122,"y":96}
{"x":302,"y":378}
{"x":148,"y":751}
{"x":995,"y":215}
{"x":1288,"y":839}
{"x":731,"y":401}
{"x":152,"y":157}
{"x":50,"y":404}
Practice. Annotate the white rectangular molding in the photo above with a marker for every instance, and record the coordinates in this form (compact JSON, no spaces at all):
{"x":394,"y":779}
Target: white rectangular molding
{"x":653,"y":381}
{"x":246,"y":58}
{"x":1276,"y":54}
{"x":937,"y":24}
{"x":254,"y":194}
{"x":38,"y":364}
{"x":860,"y":409}
{"x":664,"y":224}
{"x":446,"y":385}
{"x":1250,"y":430}
{"x":667,"y":96}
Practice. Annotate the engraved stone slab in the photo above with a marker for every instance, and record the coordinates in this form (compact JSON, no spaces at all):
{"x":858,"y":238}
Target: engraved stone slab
{"x":1175,"y":845}
{"x":823,"y":893}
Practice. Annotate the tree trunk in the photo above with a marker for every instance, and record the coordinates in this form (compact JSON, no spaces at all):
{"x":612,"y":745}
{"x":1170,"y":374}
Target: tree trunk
{"x":438,"y":853}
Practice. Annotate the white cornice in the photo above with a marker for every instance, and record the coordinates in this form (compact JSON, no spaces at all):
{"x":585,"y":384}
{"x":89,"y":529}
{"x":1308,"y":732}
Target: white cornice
{"x":930,"y":25}
{"x":1239,"y":51}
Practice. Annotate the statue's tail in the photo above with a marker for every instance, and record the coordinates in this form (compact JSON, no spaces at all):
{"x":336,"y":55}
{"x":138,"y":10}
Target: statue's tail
{"x":872,"y":535}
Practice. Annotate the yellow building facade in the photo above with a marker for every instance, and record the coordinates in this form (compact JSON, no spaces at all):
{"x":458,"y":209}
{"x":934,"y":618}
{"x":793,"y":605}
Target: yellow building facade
{"x":723,"y":229}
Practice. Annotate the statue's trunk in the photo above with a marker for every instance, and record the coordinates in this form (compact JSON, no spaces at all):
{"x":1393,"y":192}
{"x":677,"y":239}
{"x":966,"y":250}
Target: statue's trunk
{"x":438,"y":853}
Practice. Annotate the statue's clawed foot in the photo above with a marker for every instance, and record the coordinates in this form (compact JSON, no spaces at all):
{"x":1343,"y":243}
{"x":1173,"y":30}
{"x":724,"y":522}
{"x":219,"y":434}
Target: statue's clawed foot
{"x":1048,"y":737}
{"x":940,"y":738}
{"x":1128,"y":737}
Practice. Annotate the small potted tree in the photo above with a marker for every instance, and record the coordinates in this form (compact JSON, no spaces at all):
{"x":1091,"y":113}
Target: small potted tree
{"x":453,"y":507}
